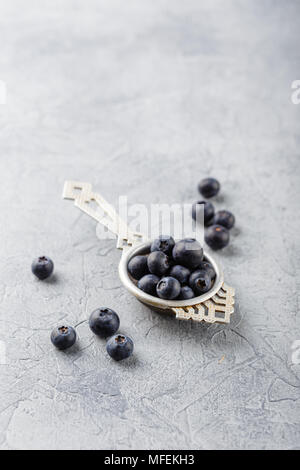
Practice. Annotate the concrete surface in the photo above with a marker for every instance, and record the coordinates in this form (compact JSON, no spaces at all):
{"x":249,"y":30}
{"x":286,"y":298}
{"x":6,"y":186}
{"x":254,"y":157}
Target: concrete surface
{"x":145,"y":98}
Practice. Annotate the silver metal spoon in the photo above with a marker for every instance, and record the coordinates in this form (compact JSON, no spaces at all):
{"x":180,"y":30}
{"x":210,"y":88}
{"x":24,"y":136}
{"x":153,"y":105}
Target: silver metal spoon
{"x":216,"y":306}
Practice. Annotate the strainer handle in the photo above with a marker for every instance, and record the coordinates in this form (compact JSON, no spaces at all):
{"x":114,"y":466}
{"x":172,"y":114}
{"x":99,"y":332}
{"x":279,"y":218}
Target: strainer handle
{"x":83,"y":196}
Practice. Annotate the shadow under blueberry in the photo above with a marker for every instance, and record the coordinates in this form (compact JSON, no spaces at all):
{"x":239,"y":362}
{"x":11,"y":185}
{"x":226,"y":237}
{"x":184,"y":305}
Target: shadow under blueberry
{"x":72,"y":351}
{"x":219,"y":199}
{"x":130,"y":362}
{"x":53,"y":279}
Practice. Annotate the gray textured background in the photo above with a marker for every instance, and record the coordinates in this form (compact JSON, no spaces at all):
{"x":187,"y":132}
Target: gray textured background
{"x":145,"y":98}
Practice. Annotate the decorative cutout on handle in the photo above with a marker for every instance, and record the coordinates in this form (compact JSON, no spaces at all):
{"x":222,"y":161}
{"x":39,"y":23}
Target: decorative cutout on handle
{"x":83,"y":196}
{"x":215,"y":310}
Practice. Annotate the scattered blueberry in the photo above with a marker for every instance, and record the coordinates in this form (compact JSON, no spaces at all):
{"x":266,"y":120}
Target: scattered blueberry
{"x":138,"y":267}
{"x":200,"y":281}
{"x":119,"y":347}
{"x":224,"y":218}
{"x":168,"y":288}
{"x":158,"y":263}
{"x":217,"y":237}
{"x":63,"y":337}
{"x":188,"y":252}
{"x":186,"y":293}
{"x":209,"y":187}
{"x":104,"y":322}
{"x":205,"y":206}
{"x":148,"y":284}
{"x":206,"y":266}
{"x":163,"y":243}
{"x":42,"y":267}
{"x":181,"y":273}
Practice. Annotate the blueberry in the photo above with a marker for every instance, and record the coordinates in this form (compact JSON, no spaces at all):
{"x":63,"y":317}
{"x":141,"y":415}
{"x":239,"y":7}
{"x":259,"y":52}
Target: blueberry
{"x":209,"y":187}
{"x":163,"y":243}
{"x":42,"y":267}
{"x":138,"y":267}
{"x":206,"y":266}
{"x":168,"y":288}
{"x":217,"y":237}
{"x":205,"y":206}
{"x":158,"y":263}
{"x":200,"y":281}
{"x":148,"y":284}
{"x":186,"y":293}
{"x":224,"y":218}
{"x":188,"y":252}
{"x":119,"y":347}
{"x":181,"y":273}
{"x":104,"y":322}
{"x":63,"y":337}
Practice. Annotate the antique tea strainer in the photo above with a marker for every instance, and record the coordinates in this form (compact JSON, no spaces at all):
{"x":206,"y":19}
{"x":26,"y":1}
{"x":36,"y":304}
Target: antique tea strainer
{"x":215,"y":306}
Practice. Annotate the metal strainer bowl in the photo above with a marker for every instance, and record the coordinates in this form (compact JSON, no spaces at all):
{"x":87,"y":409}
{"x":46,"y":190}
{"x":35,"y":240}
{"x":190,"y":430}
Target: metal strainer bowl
{"x":214,"y":306}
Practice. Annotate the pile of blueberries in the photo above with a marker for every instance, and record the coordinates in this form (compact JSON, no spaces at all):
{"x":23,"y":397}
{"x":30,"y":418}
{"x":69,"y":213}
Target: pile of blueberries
{"x":178,"y":270}
{"x":218,"y":223}
{"x":173,"y":270}
{"x":103,"y":322}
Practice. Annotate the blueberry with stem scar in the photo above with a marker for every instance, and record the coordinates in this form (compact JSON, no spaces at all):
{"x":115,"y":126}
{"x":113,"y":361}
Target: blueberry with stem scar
{"x":63,"y":337}
{"x":163,"y":243}
{"x":200,"y":282}
{"x":42,"y":267}
{"x":104,"y":322}
{"x":119,"y":347}
{"x":168,"y":288}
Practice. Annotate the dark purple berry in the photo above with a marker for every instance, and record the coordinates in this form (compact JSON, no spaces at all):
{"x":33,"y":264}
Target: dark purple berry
{"x":217,"y":237}
{"x":200,"y":282}
{"x":201,"y":207}
{"x":188,"y":252}
{"x":148,"y":284}
{"x":186,"y":293}
{"x":158,"y":263}
{"x":209,"y":187}
{"x":181,"y":273}
{"x":163,"y":243}
{"x":168,"y":288}
{"x":206,"y":266}
{"x":104,"y":322}
{"x":224,"y":218}
{"x":63,"y":337}
{"x":42,"y":267}
{"x":138,"y":267}
{"x":119,"y":347}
